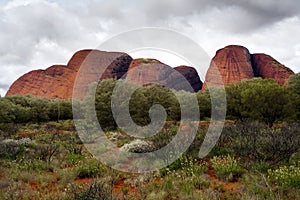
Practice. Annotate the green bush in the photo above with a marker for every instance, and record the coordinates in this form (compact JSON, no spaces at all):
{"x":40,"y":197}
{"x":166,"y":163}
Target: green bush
{"x":73,"y":159}
{"x":286,"y":176}
{"x":261,"y":99}
{"x":185,"y":167}
{"x":12,"y":149}
{"x":252,"y":141}
{"x":23,"y":109}
{"x":227,"y":167}
{"x":89,"y":168}
{"x":100,"y":189}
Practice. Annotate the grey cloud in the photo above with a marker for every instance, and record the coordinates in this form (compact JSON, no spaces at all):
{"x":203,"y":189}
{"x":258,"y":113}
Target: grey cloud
{"x":48,"y":32}
{"x":246,"y":15}
{"x":4,"y":87}
{"x":256,"y":13}
{"x":267,"y":8}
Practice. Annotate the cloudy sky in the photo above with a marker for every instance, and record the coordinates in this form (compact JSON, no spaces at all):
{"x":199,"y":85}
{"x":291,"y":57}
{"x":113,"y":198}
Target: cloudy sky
{"x":35,"y":34}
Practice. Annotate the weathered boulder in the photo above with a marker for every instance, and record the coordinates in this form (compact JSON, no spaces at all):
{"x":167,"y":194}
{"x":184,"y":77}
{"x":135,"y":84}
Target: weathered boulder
{"x":144,"y":72}
{"x":191,"y":76}
{"x":232,"y":64}
{"x":57,"y":81}
{"x":54,"y":82}
{"x":267,"y":67}
{"x":151,"y":71}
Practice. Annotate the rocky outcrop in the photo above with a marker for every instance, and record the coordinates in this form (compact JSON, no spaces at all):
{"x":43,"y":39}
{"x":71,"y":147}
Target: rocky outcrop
{"x":151,"y":71}
{"x":191,"y":75}
{"x":96,"y":66}
{"x":234,"y":63}
{"x":51,"y":83}
{"x":148,"y":71}
{"x":230,"y":65}
{"x":267,"y":67}
{"x":57,"y":81}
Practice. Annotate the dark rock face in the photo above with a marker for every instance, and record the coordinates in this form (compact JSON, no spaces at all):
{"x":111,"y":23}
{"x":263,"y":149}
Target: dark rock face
{"x":191,"y":76}
{"x":57,"y":81}
{"x":267,"y":67}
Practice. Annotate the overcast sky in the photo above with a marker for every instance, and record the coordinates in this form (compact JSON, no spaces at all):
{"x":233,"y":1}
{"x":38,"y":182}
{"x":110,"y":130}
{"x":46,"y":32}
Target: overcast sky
{"x":35,"y":34}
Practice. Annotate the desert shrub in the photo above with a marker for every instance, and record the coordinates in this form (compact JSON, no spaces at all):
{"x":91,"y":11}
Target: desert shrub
{"x":252,"y":141}
{"x":286,"y":176}
{"x":72,"y":143}
{"x":60,"y":109}
{"x":164,"y":137}
{"x":157,"y":195}
{"x":100,"y":189}
{"x":8,"y":129}
{"x":89,"y":168}
{"x":199,"y":183}
{"x":23,"y":109}
{"x":18,"y":191}
{"x":260,"y":99}
{"x":6,"y":111}
{"x":119,"y":138}
{"x":142,"y":100}
{"x":204,"y":104}
{"x":227,"y":167}
{"x":193,"y":150}
{"x":45,"y":152}
{"x":73,"y":159}
{"x":12,"y":149}
{"x":47,"y":146}
{"x":138,"y":146}
{"x":185,"y":167}
{"x":33,"y":165}
{"x":66,"y":176}
{"x":140,"y":103}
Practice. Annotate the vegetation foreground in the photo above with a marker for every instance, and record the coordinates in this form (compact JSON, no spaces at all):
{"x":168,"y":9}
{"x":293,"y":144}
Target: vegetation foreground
{"x":250,"y":161}
{"x":256,"y":157}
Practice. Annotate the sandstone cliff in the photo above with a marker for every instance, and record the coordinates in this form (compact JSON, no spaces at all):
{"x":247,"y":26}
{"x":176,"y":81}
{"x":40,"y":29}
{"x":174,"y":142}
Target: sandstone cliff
{"x":191,"y":75}
{"x":150,"y":71}
{"x":267,"y":67}
{"x":58,"y":81}
{"x":234,"y":63}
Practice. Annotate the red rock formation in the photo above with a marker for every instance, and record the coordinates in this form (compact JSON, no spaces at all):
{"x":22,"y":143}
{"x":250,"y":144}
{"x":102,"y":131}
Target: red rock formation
{"x":232,"y":63}
{"x":95,"y":66}
{"x":58,"y":81}
{"x":150,"y":71}
{"x":267,"y":67}
{"x":191,"y":76}
{"x":50,"y":83}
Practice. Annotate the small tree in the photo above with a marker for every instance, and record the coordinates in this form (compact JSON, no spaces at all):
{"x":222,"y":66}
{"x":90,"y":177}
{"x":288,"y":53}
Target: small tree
{"x":294,"y":83}
{"x":204,"y":104}
{"x":294,"y":87}
{"x":265,"y":100}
